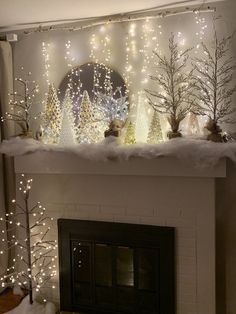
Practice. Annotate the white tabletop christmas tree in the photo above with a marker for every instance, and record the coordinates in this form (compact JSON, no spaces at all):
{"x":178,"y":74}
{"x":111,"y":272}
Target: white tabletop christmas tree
{"x":52,"y":117}
{"x":155,"y":131}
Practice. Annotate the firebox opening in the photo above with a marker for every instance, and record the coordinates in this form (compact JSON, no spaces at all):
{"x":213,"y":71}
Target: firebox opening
{"x":116,"y":268}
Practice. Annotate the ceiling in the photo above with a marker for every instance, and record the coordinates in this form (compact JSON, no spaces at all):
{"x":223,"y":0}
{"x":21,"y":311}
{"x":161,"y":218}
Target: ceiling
{"x":15,"y":14}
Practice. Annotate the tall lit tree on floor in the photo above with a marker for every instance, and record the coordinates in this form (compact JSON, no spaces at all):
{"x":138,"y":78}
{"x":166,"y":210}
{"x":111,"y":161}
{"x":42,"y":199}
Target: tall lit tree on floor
{"x":52,"y":117}
{"x":21,"y":105}
{"x":34,"y":261}
{"x":214,"y":75}
{"x":155,"y":131}
{"x":176,"y":96}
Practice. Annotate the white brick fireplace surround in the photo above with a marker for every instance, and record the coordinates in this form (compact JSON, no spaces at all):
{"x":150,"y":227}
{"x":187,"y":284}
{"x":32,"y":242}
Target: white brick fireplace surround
{"x":162,"y":192}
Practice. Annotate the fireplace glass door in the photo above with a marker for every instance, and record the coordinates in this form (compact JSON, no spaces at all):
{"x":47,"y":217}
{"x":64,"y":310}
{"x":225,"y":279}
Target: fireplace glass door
{"x":114,"y":269}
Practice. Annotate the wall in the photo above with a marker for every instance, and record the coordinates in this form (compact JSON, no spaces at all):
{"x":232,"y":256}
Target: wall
{"x":27,"y":52}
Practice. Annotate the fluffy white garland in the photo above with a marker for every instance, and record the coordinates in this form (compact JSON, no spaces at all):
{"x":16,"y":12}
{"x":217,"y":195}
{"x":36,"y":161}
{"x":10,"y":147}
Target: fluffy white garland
{"x":199,"y":151}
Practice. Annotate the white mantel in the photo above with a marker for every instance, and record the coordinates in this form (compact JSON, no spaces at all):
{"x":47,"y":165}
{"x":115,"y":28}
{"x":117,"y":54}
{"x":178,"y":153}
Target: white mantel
{"x":164,"y":191}
{"x":69,"y":163}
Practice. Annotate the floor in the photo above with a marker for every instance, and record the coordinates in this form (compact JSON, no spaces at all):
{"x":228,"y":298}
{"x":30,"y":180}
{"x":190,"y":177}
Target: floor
{"x":8,"y":301}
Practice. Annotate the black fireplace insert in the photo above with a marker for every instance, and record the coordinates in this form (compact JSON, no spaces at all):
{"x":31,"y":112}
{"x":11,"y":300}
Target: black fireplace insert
{"x":116,"y":268}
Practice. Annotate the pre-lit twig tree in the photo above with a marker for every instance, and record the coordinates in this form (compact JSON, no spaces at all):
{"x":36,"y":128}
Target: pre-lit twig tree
{"x":175,"y":98}
{"x":214,"y":84}
{"x":20,"y":105}
{"x":34,"y":261}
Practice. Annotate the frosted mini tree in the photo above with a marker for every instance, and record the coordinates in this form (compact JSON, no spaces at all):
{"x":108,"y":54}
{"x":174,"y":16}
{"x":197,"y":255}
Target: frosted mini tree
{"x":34,"y":261}
{"x":68,"y":134}
{"x":155,"y":132}
{"x":176,"y":96}
{"x":214,"y":85}
{"x":193,"y":127}
{"x":21,"y":105}
{"x":52,"y":116}
{"x":130,"y":134}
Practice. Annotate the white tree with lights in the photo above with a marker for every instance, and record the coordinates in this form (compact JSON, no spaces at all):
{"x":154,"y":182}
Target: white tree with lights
{"x":214,"y":76}
{"x":175,"y":99}
{"x":33,"y":265}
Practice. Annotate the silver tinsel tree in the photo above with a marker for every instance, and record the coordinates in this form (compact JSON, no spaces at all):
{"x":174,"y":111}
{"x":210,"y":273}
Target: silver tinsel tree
{"x":214,"y":74}
{"x":177,"y":85}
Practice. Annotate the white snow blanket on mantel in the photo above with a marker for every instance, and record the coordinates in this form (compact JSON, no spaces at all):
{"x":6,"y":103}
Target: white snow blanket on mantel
{"x":199,"y":151}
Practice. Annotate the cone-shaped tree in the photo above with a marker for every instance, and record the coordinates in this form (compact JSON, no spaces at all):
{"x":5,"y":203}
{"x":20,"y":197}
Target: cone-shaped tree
{"x":155,"y":131}
{"x":52,"y":116}
{"x":130,"y":134}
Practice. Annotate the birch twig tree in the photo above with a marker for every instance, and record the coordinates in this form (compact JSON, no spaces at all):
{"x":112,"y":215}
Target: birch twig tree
{"x":176,"y":96}
{"x":34,"y":262}
{"x":214,"y":74}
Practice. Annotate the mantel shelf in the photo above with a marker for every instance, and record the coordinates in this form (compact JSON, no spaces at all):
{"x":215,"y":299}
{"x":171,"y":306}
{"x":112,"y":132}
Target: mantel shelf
{"x":42,"y":162}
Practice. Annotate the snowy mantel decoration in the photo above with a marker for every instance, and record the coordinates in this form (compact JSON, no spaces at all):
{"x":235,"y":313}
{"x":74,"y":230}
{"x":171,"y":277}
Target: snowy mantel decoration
{"x":199,"y":152}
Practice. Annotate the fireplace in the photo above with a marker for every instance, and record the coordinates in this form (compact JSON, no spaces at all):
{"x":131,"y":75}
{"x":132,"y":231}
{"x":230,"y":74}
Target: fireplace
{"x":116,"y":268}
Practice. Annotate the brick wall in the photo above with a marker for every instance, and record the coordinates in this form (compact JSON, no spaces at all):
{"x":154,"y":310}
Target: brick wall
{"x":184,"y":203}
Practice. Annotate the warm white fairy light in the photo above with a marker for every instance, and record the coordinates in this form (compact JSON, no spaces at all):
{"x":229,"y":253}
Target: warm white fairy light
{"x":47,"y":65}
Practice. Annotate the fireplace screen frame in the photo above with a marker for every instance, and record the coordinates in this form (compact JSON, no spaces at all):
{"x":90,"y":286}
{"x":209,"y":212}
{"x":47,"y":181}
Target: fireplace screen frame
{"x":160,"y":239}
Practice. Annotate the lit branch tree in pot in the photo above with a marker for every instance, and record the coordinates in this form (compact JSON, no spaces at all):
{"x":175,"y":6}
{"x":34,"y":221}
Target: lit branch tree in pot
{"x":214,"y":74}
{"x":21,"y":106}
{"x":177,"y":85}
{"x":34,"y":260}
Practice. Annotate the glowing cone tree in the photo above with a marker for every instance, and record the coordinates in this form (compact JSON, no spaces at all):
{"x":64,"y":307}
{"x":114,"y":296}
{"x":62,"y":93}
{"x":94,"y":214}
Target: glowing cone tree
{"x":52,"y":117}
{"x":33,"y":264}
{"x":155,"y":132}
{"x":130,"y":134}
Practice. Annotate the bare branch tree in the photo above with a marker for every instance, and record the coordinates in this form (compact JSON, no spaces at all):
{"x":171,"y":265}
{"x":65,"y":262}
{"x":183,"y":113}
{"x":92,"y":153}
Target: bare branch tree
{"x":176,"y":97}
{"x":20,"y":105}
{"x":34,"y":261}
{"x":214,"y":74}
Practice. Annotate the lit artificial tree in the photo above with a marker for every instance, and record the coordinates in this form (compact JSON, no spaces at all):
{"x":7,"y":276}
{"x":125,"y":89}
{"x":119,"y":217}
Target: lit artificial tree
{"x":68,"y":130}
{"x":86,"y":129}
{"x":214,"y":74}
{"x":67,"y":133}
{"x":33,"y":265}
{"x":193,"y":127}
{"x":176,"y":96}
{"x":52,"y":117}
{"x":21,"y":106}
{"x":141,"y":121}
{"x":112,"y":105}
{"x":155,"y":131}
{"x":130,"y":134}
